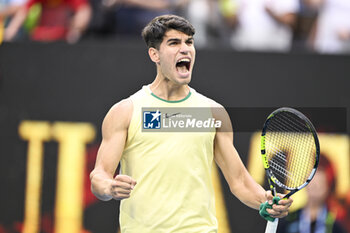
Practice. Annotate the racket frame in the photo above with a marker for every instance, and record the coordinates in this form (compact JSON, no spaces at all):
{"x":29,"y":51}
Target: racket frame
{"x":272,"y":180}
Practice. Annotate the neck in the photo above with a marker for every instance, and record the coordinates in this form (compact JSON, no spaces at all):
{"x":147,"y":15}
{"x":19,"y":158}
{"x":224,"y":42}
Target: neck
{"x":168,"y":90}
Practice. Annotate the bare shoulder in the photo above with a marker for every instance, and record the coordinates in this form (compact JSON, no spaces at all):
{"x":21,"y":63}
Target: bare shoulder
{"x":123,"y":108}
{"x":118,"y":116}
{"x":214,"y":104}
{"x":216,"y":108}
{"x":219,"y":113}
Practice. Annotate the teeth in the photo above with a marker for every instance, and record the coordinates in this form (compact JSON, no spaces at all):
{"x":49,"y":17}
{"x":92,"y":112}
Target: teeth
{"x":184,"y":60}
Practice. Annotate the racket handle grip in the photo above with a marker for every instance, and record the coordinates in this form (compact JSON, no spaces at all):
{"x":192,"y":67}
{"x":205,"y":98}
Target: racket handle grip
{"x":271,"y":227}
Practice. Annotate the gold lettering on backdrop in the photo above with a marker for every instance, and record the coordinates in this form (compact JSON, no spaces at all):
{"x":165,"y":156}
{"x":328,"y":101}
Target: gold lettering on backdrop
{"x":72,"y":138}
{"x":335,"y":146}
{"x":35,"y":133}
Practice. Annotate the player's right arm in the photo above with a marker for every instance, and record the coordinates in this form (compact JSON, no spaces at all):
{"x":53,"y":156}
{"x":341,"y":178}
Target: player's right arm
{"x":114,"y":134}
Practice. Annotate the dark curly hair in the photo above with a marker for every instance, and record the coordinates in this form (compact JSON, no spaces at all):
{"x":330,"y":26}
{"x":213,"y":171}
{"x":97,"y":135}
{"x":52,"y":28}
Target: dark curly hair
{"x":155,"y":30}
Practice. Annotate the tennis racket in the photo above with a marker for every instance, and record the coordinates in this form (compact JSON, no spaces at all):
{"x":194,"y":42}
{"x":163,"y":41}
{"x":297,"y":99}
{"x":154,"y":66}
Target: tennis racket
{"x":290,"y":152}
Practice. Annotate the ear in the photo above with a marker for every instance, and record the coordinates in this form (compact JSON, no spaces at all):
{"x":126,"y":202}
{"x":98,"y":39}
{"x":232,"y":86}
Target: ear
{"x":154,"y":55}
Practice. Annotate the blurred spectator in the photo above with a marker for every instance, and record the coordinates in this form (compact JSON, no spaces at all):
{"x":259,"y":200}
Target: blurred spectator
{"x":347,"y":207}
{"x":60,"y":20}
{"x":207,"y":18}
{"x":319,"y":214}
{"x":303,"y":27}
{"x":204,"y":16}
{"x":264,"y":25}
{"x":332,"y":29}
{"x":128,"y":17}
{"x":8,"y":8}
{"x":228,"y":9}
{"x":198,"y":12}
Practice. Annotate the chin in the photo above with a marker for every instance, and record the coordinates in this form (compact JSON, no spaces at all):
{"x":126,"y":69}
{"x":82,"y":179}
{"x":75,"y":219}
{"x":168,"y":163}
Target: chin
{"x":184,"y":78}
{"x":184,"y":81}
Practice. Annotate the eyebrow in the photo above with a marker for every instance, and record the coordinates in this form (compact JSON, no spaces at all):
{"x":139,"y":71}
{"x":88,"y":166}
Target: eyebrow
{"x":177,"y":39}
{"x":173,"y":40}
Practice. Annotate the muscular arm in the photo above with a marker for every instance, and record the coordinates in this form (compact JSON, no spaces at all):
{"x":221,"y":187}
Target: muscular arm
{"x":239,"y":180}
{"x":241,"y":184}
{"x":114,"y":134}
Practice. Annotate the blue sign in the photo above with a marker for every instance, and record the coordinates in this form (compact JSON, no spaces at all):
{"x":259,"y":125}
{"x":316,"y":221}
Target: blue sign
{"x":152,"y":119}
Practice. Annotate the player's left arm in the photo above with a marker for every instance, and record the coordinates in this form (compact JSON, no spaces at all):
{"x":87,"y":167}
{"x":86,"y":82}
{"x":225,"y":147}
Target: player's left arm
{"x":241,"y":184}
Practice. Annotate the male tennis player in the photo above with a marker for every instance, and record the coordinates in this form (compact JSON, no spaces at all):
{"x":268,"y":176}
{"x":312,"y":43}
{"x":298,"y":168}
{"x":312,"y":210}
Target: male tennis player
{"x":165,"y":181}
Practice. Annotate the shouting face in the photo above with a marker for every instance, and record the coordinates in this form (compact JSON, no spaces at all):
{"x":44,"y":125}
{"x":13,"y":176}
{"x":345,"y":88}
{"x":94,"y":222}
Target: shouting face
{"x":175,"y":57}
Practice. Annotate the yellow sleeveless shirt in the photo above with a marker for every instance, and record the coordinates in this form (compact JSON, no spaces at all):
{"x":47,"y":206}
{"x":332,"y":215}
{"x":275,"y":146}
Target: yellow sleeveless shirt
{"x":174,"y":191}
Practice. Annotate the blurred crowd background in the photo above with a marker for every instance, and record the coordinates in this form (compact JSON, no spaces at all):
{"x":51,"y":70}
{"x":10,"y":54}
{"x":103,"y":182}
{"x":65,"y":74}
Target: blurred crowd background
{"x":320,"y":26}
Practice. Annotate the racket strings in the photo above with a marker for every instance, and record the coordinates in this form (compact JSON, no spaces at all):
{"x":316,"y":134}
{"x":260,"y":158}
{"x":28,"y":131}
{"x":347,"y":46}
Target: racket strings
{"x":278,"y":162}
{"x":282,"y":172}
{"x":290,"y":149}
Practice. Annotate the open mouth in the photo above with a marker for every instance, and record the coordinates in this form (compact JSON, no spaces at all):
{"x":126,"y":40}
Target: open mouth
{"x":183,"y":65}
